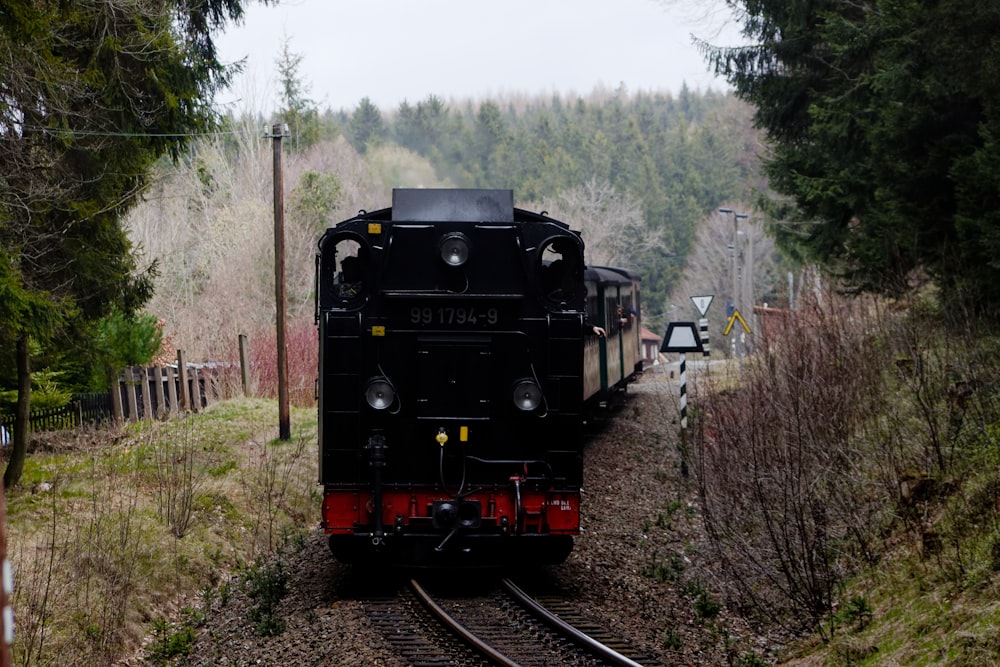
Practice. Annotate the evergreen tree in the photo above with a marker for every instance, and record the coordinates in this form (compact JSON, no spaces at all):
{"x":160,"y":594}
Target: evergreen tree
{"x":366,"y":127}
{"x":94,"y":92}
{"x":296,"y":109}
{"x":883,"y":117}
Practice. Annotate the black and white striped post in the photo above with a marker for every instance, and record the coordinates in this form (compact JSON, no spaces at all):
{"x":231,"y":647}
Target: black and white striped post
{"x":702,"y":303}
{"x":682,"y":337}
{"x":684,"y":396}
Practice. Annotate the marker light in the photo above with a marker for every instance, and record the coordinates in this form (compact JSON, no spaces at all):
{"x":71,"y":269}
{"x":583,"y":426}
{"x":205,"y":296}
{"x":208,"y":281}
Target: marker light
{"x":454,"y":249}
{"x":527,"y":395}
{"x":379,"y":393}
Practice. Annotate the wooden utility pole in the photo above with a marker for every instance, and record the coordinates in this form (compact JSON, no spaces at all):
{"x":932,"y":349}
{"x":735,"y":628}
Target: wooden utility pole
{"x":284,"y":422}
{"x":244,"y":365}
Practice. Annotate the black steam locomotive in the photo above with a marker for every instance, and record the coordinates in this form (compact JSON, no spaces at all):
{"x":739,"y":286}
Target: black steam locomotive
{"x":457,"y":365}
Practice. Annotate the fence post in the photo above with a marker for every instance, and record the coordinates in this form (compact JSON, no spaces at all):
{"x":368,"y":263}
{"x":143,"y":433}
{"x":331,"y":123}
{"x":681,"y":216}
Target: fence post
{"x":185,"y":390}
{"x":147,"y":402}
{"x":207,"y":377}
{"x":195,"y":389}
{"x":161,"y":408}
{"x":133,"y":407}
{"x":171,"y":389}
{"x":116,"y":399}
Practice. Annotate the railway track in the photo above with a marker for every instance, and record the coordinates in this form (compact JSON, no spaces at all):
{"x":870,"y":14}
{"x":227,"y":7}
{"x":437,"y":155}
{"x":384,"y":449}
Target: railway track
{"x":434,"y":625}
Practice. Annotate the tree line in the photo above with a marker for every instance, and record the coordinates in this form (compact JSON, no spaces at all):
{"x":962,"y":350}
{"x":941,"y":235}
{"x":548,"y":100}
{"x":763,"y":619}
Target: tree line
{"x":677,"y":157}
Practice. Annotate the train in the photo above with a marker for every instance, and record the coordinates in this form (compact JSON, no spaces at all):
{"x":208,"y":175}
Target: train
{"x":464,"y":346}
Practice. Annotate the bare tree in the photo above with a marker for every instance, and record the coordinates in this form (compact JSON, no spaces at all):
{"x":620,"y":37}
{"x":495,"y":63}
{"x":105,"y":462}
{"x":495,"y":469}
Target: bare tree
{"x":209,"y":222}
{"x":610,"y":221}
{"x":710,"y":264}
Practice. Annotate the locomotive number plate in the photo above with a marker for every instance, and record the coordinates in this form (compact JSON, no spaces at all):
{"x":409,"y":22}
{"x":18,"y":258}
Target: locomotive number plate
{"x":454,"y":315}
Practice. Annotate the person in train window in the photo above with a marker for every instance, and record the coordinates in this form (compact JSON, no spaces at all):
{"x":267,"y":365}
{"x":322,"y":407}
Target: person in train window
{"x":624,"y":319}
{"x":350,"y":277}
{"x":589,"y":328}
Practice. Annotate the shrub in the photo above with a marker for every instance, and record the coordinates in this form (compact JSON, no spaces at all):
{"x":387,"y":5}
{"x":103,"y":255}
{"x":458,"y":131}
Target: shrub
{"x":787,"y":501}
{"x":303,"y":362}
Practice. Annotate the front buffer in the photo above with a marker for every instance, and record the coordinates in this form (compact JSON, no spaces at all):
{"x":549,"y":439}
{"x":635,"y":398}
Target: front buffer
{"x":422,"y":527}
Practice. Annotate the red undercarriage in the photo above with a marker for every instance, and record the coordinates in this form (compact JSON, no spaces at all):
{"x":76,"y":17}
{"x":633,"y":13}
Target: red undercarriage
{"x":548,"y":512}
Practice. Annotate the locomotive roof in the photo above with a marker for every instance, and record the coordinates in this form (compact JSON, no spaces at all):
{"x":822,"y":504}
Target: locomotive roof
{"x":610,"y":275}
{"x":452,"y":205}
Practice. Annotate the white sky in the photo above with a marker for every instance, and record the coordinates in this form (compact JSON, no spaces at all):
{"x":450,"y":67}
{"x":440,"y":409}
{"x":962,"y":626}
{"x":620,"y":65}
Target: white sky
{"x":395,"y":50}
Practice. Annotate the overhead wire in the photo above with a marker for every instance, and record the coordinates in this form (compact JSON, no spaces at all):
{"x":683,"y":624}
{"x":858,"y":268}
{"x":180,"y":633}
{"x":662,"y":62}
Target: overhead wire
{"x":95,"y":133}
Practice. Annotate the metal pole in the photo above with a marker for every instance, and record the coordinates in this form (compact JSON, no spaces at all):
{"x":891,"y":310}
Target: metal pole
{"x":732,"y":270}
{"x":284,"y":421}
{"x":741,"y":279}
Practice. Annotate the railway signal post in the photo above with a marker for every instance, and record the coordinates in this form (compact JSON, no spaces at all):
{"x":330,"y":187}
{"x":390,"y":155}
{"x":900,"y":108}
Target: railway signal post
{"x":682,"y":337}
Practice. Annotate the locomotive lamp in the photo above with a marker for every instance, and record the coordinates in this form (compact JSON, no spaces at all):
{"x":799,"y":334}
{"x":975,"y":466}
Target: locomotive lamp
{"x":379,"y":393}
{"x":454,"y":249}
{"x":527,"y":395}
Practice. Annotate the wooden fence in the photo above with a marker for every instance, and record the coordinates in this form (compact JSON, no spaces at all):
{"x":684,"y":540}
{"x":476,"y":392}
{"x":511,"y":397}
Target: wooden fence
{"x":155,"y":392}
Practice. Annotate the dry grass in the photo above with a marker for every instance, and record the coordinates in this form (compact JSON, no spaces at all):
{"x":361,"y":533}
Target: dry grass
{"x":110,"y":538}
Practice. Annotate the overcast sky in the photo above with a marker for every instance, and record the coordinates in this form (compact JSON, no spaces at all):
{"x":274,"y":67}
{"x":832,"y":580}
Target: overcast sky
{"x":395,"y":50}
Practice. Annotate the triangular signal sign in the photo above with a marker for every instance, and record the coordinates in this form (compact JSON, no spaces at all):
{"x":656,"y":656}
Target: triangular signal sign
{"x":702,"y":303}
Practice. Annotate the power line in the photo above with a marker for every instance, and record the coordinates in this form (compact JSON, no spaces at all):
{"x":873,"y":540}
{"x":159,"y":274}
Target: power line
{"x":94,"y":133}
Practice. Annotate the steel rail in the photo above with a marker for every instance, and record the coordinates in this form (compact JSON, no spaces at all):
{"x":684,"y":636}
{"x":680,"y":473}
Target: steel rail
{"x":463,"y":632}
{"x":604,"y":652}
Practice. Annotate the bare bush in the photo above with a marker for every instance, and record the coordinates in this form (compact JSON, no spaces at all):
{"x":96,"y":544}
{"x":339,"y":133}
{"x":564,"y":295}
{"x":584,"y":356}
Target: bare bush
{"x":177,"y":477}
{"x":302,"y":356}
{"x":789,"y":498}
{"x":938,"y":452}
{"x":272,"y":474}
{"x":86,"y":618}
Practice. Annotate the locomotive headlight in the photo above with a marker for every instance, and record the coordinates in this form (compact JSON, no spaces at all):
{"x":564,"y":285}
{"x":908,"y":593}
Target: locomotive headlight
{"x":379,"y":393}
{"x":527,"y":395}
{"x":454,"y":249}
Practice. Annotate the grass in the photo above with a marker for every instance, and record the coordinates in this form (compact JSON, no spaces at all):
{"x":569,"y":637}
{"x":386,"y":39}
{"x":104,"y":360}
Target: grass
{"x":929,"y":603}
{"x":156,"y":510}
